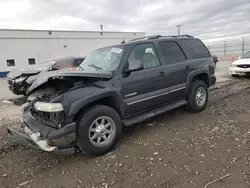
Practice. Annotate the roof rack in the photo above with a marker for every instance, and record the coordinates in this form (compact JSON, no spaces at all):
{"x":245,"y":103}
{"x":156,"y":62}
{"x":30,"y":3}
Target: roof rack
{"x":147,"y":37}
{"x":159,"y":36}
{"x":175,"y":36}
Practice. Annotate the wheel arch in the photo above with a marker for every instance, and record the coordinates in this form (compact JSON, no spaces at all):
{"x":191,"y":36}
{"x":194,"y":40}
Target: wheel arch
{"x":201,"y":74}
{"x":110,"y":99}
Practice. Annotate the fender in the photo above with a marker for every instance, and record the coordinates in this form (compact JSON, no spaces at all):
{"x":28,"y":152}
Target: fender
{"x":194,"y":73}
{"x":94,"y":95}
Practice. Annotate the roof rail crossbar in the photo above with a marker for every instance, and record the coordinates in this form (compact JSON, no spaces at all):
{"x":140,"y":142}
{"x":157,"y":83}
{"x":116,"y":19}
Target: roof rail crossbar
{"x":185,"y":36}
{"x":159,"y":36}
{"x":147,"y":37}
{"x":175,"y":36}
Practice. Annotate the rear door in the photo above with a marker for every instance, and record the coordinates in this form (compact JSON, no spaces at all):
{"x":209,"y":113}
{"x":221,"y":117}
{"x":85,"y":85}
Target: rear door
{"x":176,"y":67}
{"x":141,"y":89}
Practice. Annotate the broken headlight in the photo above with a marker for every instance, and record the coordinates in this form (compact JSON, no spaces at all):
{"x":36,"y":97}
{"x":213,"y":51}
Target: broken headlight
{"x":48,"y":107}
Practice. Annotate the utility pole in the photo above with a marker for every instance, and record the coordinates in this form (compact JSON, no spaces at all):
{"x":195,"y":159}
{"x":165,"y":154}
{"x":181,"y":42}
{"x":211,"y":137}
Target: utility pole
{"x":101,"y":26}
{"x":179,"y":29}
{"x":243,"y":45}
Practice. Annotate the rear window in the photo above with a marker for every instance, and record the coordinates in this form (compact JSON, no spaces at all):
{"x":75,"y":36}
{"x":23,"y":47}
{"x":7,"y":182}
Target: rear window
{"x":196,"y":48}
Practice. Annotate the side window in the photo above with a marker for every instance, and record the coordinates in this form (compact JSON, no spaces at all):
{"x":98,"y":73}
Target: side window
{"x":77,"y":62}
{"x":10,"y":62}
{"x":196,"y":48}
{"x":172,"y":52}
{"x":146,"y":53}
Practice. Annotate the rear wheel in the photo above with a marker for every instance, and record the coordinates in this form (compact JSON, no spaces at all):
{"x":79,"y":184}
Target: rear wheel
{"x":98,"y":130}
{"x":198,"y":96}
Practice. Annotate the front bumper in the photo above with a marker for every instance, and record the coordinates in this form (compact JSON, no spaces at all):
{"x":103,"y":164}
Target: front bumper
{"x":238,"y":70}
{"x":27,"y":141}
{"x":49,"y":139}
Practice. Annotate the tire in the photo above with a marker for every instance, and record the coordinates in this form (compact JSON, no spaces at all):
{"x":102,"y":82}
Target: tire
{"x":87,"y":128}
{"x":193,"y":104}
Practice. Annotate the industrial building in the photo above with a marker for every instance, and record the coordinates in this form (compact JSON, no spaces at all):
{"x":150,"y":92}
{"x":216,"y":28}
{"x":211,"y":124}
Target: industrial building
{"x":24,"y":48}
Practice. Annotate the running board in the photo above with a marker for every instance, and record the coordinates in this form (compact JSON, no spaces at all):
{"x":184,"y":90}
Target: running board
{"x":154,"y":112}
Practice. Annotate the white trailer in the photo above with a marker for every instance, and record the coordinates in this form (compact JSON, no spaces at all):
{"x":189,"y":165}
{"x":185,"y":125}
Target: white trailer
{"x":24,"y":48}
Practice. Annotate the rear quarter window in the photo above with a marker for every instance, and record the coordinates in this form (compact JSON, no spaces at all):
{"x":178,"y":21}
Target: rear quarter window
{"x":196,"y":48}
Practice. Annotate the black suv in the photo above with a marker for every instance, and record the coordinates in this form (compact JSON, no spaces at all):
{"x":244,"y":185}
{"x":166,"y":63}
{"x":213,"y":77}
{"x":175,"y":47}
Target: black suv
{"x":115,"y":87}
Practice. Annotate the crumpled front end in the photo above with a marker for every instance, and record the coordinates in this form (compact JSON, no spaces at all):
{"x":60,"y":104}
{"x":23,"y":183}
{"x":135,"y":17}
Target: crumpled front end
{"x":17,"y":86}
{"x":47,"y":121}
{"x":46,"y":128}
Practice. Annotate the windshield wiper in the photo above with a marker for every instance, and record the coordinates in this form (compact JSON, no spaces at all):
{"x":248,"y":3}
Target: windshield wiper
{"x":94,"y":66}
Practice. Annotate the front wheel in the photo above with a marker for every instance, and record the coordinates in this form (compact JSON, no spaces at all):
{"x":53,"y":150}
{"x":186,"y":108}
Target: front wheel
{"x":198,"y":96}
{"x":98,"y":130}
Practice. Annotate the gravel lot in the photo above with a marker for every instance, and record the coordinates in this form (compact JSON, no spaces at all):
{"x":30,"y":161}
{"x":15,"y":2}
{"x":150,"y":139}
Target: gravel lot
{"x":177,"y":149}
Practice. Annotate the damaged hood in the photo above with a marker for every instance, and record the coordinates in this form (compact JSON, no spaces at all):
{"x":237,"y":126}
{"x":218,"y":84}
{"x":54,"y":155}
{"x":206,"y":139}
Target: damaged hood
{"x":45,"y":76}
{"x":16,"y":73}
{"x":32,"y":70}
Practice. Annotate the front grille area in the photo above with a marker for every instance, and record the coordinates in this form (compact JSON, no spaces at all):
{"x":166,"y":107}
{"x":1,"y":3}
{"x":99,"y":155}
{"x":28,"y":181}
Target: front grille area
{"x":52,"y":119}
{"x":243,"y":66}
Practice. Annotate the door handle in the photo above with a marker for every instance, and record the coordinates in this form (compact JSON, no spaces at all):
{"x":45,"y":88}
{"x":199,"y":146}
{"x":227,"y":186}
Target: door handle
{"x":162,"y":73}
{"x":187,"y":67}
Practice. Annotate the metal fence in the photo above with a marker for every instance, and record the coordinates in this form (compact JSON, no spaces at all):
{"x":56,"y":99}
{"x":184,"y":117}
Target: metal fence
{"x":227,"y":49}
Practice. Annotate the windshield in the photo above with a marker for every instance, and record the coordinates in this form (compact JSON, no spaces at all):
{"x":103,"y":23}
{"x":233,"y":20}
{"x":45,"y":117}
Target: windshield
{"x":246,"y":55}
{"x":103,"y":59}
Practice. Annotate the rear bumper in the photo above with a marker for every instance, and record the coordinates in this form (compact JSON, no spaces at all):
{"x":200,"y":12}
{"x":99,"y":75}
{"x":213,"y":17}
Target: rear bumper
{"x":44,"y":137}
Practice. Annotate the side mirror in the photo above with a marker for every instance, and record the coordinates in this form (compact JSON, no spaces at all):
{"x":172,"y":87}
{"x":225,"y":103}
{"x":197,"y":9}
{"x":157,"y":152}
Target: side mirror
{"x":134,"y":66}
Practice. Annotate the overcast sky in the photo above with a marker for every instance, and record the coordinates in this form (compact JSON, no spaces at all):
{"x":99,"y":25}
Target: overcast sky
{"x":201,"y":18}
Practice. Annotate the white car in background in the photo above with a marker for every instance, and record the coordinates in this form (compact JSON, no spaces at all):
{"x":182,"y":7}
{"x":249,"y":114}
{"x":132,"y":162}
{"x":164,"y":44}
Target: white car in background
{"x":240,"y":66}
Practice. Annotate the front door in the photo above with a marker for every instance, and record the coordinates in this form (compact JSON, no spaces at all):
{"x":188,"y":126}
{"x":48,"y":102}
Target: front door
{"x":141,"y":88}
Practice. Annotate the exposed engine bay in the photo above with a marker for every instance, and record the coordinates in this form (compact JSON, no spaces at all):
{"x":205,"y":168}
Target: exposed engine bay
{"x":59,"y":85}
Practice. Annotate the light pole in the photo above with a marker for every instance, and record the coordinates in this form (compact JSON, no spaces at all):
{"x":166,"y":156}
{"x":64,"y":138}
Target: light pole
{"x":179,"y":29}
{"x":101,"y":26}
